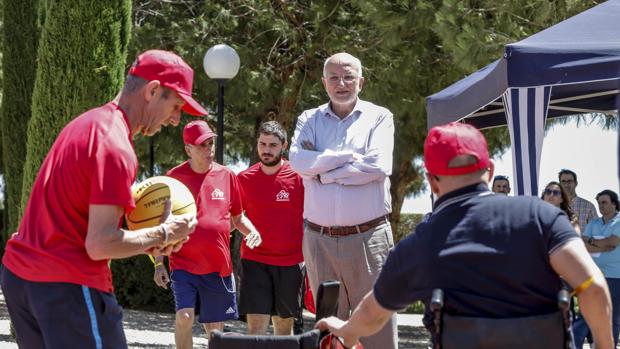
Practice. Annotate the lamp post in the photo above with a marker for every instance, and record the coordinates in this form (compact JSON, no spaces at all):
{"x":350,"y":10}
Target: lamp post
{"x":221,"y":63}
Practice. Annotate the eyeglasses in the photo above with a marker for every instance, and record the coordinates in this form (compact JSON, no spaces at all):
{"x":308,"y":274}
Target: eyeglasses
{"x":347,"y":79}
{"x":554,"y":192}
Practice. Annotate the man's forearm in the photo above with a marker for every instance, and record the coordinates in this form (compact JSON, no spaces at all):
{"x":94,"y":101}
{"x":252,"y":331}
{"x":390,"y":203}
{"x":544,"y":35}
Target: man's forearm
{"x":243,"y":224}
{"x":368,"y":318}
{"x":594,"y":304}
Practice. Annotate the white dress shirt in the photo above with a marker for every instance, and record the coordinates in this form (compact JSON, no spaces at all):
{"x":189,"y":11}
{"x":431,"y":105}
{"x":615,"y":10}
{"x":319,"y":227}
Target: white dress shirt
{"x":346,"y":176}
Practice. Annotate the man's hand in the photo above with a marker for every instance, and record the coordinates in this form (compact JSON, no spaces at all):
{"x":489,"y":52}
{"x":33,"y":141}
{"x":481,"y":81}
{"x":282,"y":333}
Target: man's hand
{"x":335,"y":326}
{"x":161,"y":276}
{"x":307,"y":145}
{"x":253,"y":239}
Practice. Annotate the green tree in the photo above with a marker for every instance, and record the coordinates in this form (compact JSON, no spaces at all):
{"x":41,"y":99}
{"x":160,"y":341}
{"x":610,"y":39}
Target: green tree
{"x":81,"y":64}
{"x":409,"y":49}
{"x":20,"y":38}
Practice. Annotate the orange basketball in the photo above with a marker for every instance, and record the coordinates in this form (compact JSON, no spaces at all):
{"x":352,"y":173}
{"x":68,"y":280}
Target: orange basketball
{"x":150,"y":196}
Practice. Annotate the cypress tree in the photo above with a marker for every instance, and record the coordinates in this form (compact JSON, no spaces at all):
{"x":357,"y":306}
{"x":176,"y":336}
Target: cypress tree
{"x":20,"y":37}
{"x":81,"y":64}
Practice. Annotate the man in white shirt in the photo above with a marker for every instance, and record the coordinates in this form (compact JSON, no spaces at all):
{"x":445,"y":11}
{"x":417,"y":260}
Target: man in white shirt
{"x":343,"y":150}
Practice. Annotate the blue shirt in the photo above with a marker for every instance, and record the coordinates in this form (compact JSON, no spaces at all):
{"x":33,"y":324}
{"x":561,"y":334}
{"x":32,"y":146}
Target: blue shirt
{"x":608,"y":262}
{"x":489,"y":253}
{"x":346,"y":175}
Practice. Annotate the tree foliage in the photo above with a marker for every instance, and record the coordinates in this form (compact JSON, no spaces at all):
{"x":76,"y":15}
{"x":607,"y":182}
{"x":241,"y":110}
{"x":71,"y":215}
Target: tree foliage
{"x":410,"y":49}
{"x":77,"y":69}
{"x":20,"y":39}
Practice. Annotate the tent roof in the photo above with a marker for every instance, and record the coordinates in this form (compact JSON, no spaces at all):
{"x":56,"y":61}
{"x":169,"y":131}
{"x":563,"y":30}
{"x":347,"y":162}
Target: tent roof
{"x":580,"y":57}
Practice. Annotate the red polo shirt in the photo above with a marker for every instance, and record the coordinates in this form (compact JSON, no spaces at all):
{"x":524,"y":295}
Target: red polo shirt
{"x":274,"y":204}
{"x":91,"y":162}
{"x":208,"y":248}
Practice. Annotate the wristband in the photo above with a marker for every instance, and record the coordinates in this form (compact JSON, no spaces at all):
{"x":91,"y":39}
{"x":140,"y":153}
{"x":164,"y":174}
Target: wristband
{"x":584,"y":286}
{"x":158,"y":264}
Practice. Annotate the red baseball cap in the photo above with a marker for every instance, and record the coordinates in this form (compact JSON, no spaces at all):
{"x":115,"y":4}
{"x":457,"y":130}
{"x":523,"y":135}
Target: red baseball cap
{"x":445,"y":142}
{"x":172,"y":72}
{"x":197,"y":132}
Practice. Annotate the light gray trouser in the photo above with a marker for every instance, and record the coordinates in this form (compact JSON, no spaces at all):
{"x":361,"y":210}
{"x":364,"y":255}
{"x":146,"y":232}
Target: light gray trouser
{"x":354,"y":260}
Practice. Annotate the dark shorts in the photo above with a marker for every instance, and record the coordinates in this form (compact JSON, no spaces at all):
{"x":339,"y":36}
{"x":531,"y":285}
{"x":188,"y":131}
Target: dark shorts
{"x":61,"y":315}
{"x":212,"y":296}
{"x":270,"y":289}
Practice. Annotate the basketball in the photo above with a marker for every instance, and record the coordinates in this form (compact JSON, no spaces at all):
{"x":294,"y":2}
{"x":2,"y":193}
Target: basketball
{"x":150,"y":196}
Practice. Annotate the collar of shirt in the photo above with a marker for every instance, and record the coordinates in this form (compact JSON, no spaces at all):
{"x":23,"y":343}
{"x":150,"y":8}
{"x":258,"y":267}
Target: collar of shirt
{"x":461,"y":194}
{"x":326,"y":109}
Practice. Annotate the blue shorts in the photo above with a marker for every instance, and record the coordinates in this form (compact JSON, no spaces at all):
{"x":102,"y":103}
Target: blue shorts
{"x":62,"y":315}
{"x":212,"y":296}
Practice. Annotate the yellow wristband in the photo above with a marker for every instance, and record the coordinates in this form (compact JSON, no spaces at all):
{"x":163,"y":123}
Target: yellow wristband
{"x":152,"y":259}
{"x":158,"y":264}
{"x":584,"y":286}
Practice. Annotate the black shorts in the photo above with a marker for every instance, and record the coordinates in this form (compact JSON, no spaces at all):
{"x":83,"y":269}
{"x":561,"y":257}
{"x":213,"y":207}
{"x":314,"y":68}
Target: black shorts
{"x":270,"y":289}
{"x":62,"y":315}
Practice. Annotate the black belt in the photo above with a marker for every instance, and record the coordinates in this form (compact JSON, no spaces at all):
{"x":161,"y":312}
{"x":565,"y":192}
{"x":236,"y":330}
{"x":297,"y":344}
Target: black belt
{"x":344,"y":231}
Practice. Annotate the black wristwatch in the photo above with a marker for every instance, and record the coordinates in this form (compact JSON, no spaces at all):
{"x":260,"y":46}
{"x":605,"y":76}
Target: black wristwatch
{"x":590,"y":241}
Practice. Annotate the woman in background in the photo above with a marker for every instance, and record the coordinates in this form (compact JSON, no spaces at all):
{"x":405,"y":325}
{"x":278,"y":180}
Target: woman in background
{"x":555,"y":195}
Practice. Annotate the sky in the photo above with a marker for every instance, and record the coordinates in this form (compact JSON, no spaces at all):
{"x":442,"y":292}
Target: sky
{"x":587,"y":150}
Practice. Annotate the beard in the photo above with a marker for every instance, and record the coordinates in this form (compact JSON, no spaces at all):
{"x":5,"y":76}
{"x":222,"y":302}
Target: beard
{"x":274,"y":162}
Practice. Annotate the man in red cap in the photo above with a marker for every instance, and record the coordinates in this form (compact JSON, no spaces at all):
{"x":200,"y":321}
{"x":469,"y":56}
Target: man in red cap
{"x":494,"y":256}
{"x":201,"y":273}
{"x":56,"y":278}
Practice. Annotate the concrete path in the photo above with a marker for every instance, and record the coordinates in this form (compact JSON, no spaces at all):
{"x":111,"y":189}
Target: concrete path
{"x":156,"y":330}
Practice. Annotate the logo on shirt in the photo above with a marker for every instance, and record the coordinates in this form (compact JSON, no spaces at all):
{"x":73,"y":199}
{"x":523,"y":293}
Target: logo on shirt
{"x":282,"y":196}
{"x":230,"y":310}
{"x":217,"y":194}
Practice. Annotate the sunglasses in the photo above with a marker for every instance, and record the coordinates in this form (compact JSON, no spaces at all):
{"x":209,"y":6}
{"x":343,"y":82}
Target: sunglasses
{"x":554,"y":192}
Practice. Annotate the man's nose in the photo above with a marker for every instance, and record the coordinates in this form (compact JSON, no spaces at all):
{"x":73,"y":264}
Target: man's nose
{"x":175,"y":118}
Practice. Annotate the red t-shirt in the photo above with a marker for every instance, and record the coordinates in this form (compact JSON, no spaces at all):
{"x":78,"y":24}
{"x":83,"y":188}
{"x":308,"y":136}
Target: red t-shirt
{"x":191,"y":179}
{"x":91,"y":162}
{"x":208,"y":248}
{"x":274,"y":204}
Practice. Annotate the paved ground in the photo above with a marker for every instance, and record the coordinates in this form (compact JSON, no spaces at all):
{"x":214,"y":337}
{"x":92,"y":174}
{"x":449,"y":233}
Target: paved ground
{"x":156,"y":330}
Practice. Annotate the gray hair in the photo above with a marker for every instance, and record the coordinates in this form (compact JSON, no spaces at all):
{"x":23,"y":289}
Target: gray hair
{"x":343,"y":58}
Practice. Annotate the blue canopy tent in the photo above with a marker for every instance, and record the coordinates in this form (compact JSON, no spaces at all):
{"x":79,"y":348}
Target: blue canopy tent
{"x":570,"y":68}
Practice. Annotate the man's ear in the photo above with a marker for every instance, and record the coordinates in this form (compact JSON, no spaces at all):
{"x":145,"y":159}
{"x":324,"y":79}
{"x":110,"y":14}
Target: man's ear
{"x":150,"y":90}
{"x":285,"y":145}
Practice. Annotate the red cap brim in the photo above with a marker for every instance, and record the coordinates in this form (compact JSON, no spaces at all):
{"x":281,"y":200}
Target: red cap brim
{"x":192,"y":107}
{"x":204,"y":137}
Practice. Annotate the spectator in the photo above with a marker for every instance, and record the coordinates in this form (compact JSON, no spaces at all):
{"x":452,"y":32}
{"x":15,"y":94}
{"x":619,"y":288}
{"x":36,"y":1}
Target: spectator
{"x":494,"y":256}
{"x":602,"y":236}
{"x":272,"y":273}
{"x":556,"y":196}
{"x":343,"y":151}
{"x":201,"y":273}
{"x":501,"y":185}
{"x":583,"y":208}
{"x":56,"y":277}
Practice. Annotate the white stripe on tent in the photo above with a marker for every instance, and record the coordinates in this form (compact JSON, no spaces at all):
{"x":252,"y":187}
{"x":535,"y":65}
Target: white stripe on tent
{"x":526,"y":134}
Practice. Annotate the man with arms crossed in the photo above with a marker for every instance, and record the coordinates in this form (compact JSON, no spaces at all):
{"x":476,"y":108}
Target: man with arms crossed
{"x":56,"y":277}
{"x":602,"y":236}
{"x":343,"y":151}
{"x":494,"y":256}
{"x":273,"y":199}
{"x":201,"y":273}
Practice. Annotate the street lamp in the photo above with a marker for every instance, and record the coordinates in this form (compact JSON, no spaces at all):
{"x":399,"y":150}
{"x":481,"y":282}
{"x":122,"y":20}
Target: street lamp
{"x":221,"y":64}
